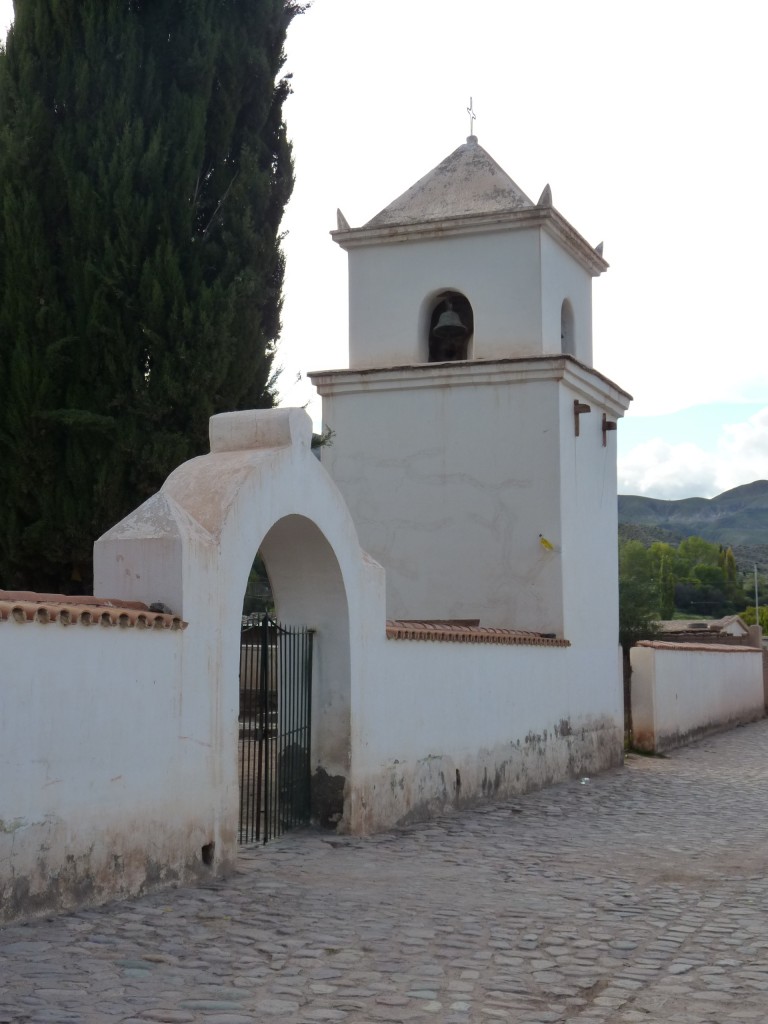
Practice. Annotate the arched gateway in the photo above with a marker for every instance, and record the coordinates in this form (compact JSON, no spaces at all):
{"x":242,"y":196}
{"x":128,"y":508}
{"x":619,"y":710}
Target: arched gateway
{"x":190,"y":547}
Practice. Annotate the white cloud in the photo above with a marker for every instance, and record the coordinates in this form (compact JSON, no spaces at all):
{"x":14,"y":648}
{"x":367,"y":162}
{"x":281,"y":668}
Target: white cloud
{"x":743,"y":450}
{"x":662,"y":470}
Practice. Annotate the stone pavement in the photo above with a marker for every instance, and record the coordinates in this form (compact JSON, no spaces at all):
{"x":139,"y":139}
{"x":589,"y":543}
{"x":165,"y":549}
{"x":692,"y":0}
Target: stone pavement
{"x":640,"y":895}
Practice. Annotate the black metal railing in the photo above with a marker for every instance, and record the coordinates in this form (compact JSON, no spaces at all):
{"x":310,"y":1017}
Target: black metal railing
{"x":275,"y":729}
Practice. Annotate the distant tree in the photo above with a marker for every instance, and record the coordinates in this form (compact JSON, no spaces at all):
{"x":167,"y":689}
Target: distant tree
{"x":638,"y":595}
{"x":750,"y":617}
{"x":747,"y":593}
{"x":731,"y":576}
{"x":661,"y":550}
{"x":144,"y":169}
{"x":697,"y":551}
{"x":728,"y":565}
{"x":696,"y":577}
{"x":709,"y":576}
{"x":666,"y":588}
{"x":701,"y":588}
{"x":664,"y":565}
{"x":696,"y":598}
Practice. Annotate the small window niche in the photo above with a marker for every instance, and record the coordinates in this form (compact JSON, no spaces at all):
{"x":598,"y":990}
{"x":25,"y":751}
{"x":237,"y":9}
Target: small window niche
{"x":567,"y":329}
{"x":451,"y":325}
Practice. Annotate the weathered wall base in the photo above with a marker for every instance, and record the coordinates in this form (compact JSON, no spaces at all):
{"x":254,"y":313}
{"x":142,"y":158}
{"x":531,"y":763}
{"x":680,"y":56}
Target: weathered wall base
{"x":407,"y":791}
{"x":55,"y":871}
{"x":451,"y":724}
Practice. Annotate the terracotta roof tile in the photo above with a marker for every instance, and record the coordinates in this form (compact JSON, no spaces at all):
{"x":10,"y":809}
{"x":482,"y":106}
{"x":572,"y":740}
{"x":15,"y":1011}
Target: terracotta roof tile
{"x":452,"y":631}
{"x":668,"y":645}
{"x":25,"y":606}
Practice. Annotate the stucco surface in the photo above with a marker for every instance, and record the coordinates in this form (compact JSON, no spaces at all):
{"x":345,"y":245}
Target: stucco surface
{"x":453,"y":472}
{"x":452,"y":725}
{"x":682,"y":690}
{"x":106,"y":760}
{"x":515,"y":282}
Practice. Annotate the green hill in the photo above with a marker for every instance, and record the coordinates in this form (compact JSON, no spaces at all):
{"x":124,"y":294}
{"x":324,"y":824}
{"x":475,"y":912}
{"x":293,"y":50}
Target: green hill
{"x":737,"y":518}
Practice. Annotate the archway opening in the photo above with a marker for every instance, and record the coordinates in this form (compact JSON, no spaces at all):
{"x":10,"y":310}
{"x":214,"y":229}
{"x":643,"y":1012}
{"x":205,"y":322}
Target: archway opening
{"x":294,"y":707}
{"x":258,"y":598}
{"x":450,"y":329}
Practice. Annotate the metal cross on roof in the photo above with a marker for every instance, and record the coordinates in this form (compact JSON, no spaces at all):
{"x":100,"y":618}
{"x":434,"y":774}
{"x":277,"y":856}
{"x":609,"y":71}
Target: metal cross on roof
{"x":472,"y":117}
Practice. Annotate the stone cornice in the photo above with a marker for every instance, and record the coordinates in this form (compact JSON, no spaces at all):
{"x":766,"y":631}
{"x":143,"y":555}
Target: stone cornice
{"x":587,"y":383}
{"x":546,"y":218}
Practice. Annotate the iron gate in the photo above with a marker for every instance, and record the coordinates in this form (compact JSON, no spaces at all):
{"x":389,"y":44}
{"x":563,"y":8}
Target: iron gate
{"x":274,"y":726}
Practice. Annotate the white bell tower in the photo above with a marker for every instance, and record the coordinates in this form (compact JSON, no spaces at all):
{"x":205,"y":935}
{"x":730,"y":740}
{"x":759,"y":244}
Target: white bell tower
{"x":472,"y":439}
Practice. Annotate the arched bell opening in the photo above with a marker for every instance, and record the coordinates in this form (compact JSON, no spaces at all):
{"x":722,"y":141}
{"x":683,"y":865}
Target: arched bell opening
{"x":450,"y":329}
{"x":567,"y":329}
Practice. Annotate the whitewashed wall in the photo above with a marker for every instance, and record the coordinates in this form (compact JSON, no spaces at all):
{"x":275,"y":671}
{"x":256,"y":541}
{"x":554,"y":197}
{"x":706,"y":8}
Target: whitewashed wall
{"x":515,"y":280}
{"x":107,"y":748}
{"x":508,"y":719}
{"x":562,"y":277}
{"x":388,"y":284}
{"x":453,"y":471}
{"x":680,"y":691}
{"x":383,"y":709}
{"x":118,"y":747}
{"x":587,"y":537}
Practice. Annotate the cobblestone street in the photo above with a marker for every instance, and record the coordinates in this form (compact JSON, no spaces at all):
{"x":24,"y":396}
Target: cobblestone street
{"x":640,"y":895}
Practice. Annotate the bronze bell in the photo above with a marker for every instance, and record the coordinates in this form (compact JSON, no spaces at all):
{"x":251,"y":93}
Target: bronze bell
{"x":449,"y":325}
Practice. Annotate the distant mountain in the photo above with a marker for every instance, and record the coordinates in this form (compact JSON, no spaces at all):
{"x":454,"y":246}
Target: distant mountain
{"x":737,"y":518}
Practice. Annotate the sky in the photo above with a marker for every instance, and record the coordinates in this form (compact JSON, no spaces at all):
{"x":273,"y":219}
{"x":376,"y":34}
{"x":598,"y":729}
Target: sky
{"x":648,"y":122}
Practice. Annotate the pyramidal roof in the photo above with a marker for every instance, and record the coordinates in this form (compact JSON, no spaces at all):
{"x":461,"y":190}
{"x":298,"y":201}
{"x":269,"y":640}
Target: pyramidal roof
{"x":468,"y":182}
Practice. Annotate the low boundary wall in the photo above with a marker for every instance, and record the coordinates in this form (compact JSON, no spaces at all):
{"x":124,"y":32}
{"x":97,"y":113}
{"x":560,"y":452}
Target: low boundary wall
{"x":681,"y":691}
{"x":107,"y":755}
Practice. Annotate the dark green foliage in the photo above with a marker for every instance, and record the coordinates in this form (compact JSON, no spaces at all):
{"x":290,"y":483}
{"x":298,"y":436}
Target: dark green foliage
{"x":144,"y":169}
{"x":666,"y":588}
{"x":638,"y":595}
{"x":699,"y":599}
{"x":750,"y":616}
{"x":695,"y":578}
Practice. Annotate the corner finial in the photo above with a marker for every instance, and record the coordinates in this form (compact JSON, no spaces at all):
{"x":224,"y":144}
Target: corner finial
{"x":341,"y":221}
{"x":545,"y":199}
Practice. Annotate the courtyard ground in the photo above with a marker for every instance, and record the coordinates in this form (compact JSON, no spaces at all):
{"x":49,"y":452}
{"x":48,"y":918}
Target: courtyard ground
{"x":637,"y":896}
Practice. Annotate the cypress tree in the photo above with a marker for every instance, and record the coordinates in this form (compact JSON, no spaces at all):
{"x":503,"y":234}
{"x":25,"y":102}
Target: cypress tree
{"x":144,"y":169}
